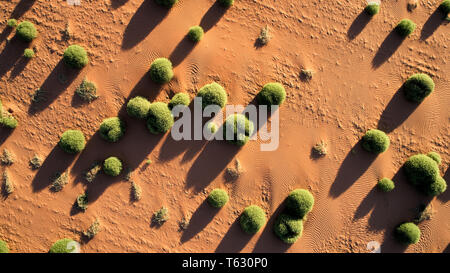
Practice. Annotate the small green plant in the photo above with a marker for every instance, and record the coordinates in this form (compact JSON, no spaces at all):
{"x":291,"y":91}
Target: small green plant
{"x":264,"y":36}
{"x":35,"y":162}
{"x":112,"y":166}
{"x":407,"y":233}
{"x":179,"y":99}
{"x":234,"y":172}
{"x":386,"y":184}
{"x":252,"y":219}
{"x":28,"y":53}
{"x":218,"y":198}
{"x":372,"y":8}
{"x":375,"y":141}
{"x":405,"y":27}
{"x":444,"y":7}
{"x":436,"y":157}
{"x":299,"y":203}
{"x":6,"y":158}
{"x":320,"y":149}
{"x":112,"y":129}
{"x":195,"y":33}
{"x":226,"y":3}
{"x":166,"y":3}
{"x":136,"y":191}
{"x":72,"y":141}
{"x":82,"y":201}
{"x":423,"y":172}
{"x":93,"y":229}
{"x":26,"y":31}
{"x":271,"y":94}
{"x":213,"y":94}
{"x":59,"y":182}
{"x":288,"y":228}
{"x":65,"y":245}
{"x":12,"y":23}
{"x":160,"y":118}
{"x":4,"y":247}
{"x":161,"y":70}
{"x":6,"y":119}
{"x":138,"y":107}
{"x":148,"y":162}
{"x":418,"y":87}
{"x":237,"y":129}
{"x":75,"y":56}
{"x":87,"y":91}
{"x":92,"y":172}
{"x":211,"y":127}
{"x":8,"y":185}
{"x":161,"y":216}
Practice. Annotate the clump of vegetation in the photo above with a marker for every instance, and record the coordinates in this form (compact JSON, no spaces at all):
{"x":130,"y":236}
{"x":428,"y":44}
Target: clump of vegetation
{"x":407,"y":233}
{"x":161,"y":216}
{"x":12,"y":23}
{"x":8,"y":185}
{"x":444,"y":7}
{"x":160,"y":118}
{"x":6,"y":158}
{"x":299,"y":203}
{"x":435,"y":156}
{"x":92,"y":172}
{"x":306,"y":74}
{"x":82,"y":201}
{"x":235,"y":172}
{"x":161,"y":70}
{"x":211,"y":127}
{"x":418,"y":87}
{"x":38,"y":96}
{"x":4,"y":247}
{"x":93,"y":229}
{"x":6,"y":119}
{"x":412,"y":5}
{"x":423,"y":172}
{"x":213,"y":94}
{"x":195,"y":33}
{"x":138,"y":107}
{"x":75,"y":56}
{"x":226,"y":3}
{"x":238,"y":129}
{"x":183,"y":224}
{"x":288,"y":228}
{"x":28,"y":53}
{"x":320,"y":149}
{"x":271,"y":94}
{"x":386,"y":184}
{"x":375,"y":141}
{"x":179,"y":99}
{"x":166,"y":3}
{"x":264,"y":36}
{"x":405,"y":27}
{"x":112,"y":129}
{"x":59,"y":182}
{"x":35,"y":162}
{"x":65,"y":245}
{"x":72,"y":141}
{"x":87,"y":91}
{"x":112,"y":166}
{"x":425,"y":212}
{"x":372,"y":8}
{"x":136,"y":191}
{"x":252,"y":219}
{"x":26,"y":31}
{"x":217,"y":198}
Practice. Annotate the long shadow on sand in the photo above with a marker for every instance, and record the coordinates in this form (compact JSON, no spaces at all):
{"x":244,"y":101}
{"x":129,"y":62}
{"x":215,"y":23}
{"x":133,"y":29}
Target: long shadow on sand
{"x":396,"y":112}
{"x":19,"y":67}
{"x":387,"y":48}
{"x":234,"y":240}
{"x":353,"y":167}
{"x":181,"y":51}
{"x":148,"y":16}
{"x":431,"y":25}
{"x":11,"y":54}
{"x":4,"y":134}
{"x":115,"y":4}
{"x":199,"y":220}
{"x":358,"y":25}
{"x":22,"y":7}
{"x":212,"y":16}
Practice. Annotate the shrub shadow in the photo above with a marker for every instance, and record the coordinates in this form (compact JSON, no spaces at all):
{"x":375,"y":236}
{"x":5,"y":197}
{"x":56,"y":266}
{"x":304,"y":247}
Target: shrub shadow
{"x":387,"y":48}
{"x":212,"y":16}
{"x":432,"y":24}
{"x":22,"y":7}
{"x":199,"y":220}
{"x":358,"y":25}
{"x":5,"y":33}
{"x":4,"y":134}
{"x":11,"y":54}
{"x":147,"y":17}
{"x":115,"y":4}
{"x":234,"y":240}
{"x":445,"y":196}
{"x":19,"y":67}
{"x":181,"y":51}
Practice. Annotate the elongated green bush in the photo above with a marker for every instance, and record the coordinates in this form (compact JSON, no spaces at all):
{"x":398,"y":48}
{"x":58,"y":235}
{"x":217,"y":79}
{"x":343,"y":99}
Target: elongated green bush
{"x":75,"y":56}
{"x":407,"y":233}
{"x":288,"y":228}
{"x":138,"y":107}
{"x":4,"y":247}
{"x":271,"y":94}
{"x":418,"y":87}
{"x":161,"y":70}
{"x":386,"y":184}
{"x":112,"y":166}
{"x":237,"y":129}
{"x":444,"y":7}
{"x":72,"y":141}
{"x":252,"y":219}
{"x":195,"y":33}
{"x":166,"y":3}
{"x":63,"y":246}
{"x":213,"y":94}
{"x":299,"y":203}
{"x":375,"y":141}
{"x":423,"y":172}
{"x":218,"y":198}
{"x":160,"y":118}
{"x":179,"y":99}
{"x":112,"y":129}
{"x":26,"y":31}
{"x":405,"y":27}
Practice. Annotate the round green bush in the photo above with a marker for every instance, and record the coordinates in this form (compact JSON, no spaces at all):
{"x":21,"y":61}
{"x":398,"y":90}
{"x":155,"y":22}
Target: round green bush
{"x":405,"y":27}
{"x":138,"y":107}
{"x":237,"y":129}
{"x":435,"y":156}
{"x":179,"y":99}
{"x":444,"y":7}
{"x":288,"y":228}
{"x":438,"y":186}
{"x":252,"y":219}
{"x":28,"y":53}
{"x":421,"y":170}
{"x":372,"y":9}
{"x":72,"y":141}
{"x":112,"y":129}
{"x":299,"y":203}
{"x":271,"y":94}
{"x":26,"y":31}
{"x":226,"y":3}
{"x":213,"y":94}
{"x":4,"y":247}
{"x":407,"y":233}
{"x":166,"y":3}
{"x":418,"y":87}
{"x":218,"y":198}
{"x":61,"y":246}
{"x":386,"y":185}
{"x":160,"y":118}
{"x":75,"y":56}
{"x":12,"y":23}
{"x":195,"y":33}
{"x":161,"y":70}
{"x":112,"y":166}
{"x":375,"y":141}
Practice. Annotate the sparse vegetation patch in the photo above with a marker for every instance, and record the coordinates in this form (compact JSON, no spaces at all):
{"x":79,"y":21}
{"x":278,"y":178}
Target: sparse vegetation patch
{"x":6,"y":158}
{"x":82,"y":201}
{"x":161,"y":216}
{"x":87,"y":91}
{"x":35,"y":162}
{"x":136,"y":191}
{"x":93,"y":229}
{"x":8,"y":185}
{"x":59,"y":182}
{"x":264,"y":36}
{"x":92,"y":172}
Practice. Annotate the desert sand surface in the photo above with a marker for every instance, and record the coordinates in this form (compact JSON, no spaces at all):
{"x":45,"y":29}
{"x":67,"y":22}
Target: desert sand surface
{"x":359,"y":67}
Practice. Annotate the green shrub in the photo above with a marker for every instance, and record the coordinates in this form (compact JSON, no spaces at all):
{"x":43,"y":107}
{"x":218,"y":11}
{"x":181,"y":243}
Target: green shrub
{"x":438,"y":186}
{"x":386,"y":185}
{"x":82,"y":201}
{"x":299,"y":203}
{"x":195,"y":33}
{"x":418,"y":87}
{"x":112,"y":166}
{"x":271,"y":94}
{"x":112,"y":129}
{"x":4,"y":247}
{"x":8,"y":121}
{"x":179,"y":99}
{"x":138,"y":107}
{"x":61,"y":246}
{"x":218,"y":198}
{"x":288,"y":228}
{"x":226,"y":3}
{"x":445,"y":7}
{"x":161,"y":216}
{"x":26,"y":31}
{"x":407,"y":233}
{"x":72,"y":141}
{"x":435,"y":156}
{"x":375,"y":141}
{"x":213,"y":94}
{"x":372,"y":8}
{"x":166,"y":3}
{"x":161,"y":70}
{"x":28,"y":53}
{"x":12,"y":23}
{"x":87,"y":91}
{"x":237,"y":129}
{"x":405,"y":27}
{"x":160,"y":119}
{"x":423,"y":172}
{"x":76,"y":57}
{"x":252,"y":219}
